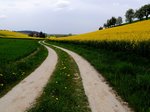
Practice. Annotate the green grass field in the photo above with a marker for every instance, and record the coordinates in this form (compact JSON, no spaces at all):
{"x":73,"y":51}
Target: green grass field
{"x":128,"y":73}
{"x":64,"y":92}
{"x":120,"y":54}
{"x":18,"y":58}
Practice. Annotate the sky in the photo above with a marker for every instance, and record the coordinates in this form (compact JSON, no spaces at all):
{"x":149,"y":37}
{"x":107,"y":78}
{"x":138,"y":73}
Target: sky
{"x":62,"y":16}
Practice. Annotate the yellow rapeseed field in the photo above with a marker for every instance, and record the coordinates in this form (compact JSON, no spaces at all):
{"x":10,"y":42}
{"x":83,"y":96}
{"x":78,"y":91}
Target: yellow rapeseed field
{"x":11,"y":34}
{"x":133,"y":32}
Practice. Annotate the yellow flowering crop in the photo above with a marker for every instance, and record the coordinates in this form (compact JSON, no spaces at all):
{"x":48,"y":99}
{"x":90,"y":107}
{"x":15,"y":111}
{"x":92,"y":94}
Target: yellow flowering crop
{"x":11,"y":34}
{"x":5,"y":33}
{"x":133,"y":32}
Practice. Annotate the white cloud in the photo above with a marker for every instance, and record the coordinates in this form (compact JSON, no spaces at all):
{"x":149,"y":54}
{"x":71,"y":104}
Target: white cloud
{"x":77,"y":16}
{"x":26,"y":5}
{"x":3,"y":16}
{"x":62,"y":4}
{"x":116,"y":4}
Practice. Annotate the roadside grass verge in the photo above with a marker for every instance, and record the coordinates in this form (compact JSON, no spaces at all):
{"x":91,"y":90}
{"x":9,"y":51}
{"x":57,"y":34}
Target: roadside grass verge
{"x":64,"y":92}
{"x":18,"y":58}
{"x":128,"y":73}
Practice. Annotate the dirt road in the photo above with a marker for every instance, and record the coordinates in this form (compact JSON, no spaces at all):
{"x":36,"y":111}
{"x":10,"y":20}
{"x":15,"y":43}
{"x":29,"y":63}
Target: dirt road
{"x":24,"y":94}
{"x":100,"y":96}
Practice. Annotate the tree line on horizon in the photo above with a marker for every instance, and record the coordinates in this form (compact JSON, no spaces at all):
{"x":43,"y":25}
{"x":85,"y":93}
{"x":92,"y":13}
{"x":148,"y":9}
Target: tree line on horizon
{"x":131,"y":14}
{"x":37,"y":34}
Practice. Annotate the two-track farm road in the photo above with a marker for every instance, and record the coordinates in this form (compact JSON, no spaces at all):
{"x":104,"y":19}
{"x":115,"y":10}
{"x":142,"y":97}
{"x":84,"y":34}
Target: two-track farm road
{"x":25,"y":93}
{"x":100,"y":96}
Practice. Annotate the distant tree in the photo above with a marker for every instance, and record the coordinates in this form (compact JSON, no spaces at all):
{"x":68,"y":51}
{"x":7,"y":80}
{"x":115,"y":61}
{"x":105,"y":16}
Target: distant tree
{"x":139,"y":14}
{"x":42,"y":35}
{"x":31,"y":34}
{"x":146,"y":10}
{"x":109,"y":23}
{"x":119,"y":21}
{"x":113,"y":21}
{"x":129,"y":15}
{"x":100,"y":28}
{"x":105,"y":25}
{"x":70,"y":34}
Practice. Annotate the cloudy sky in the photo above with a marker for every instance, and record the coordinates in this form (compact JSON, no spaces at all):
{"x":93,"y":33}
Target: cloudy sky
{"x":62,"y":16}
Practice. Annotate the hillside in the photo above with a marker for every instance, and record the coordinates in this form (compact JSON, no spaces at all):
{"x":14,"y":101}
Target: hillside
{"x":134,"y":32}
{"x":11,"y":34}
{"x":27,"y":32}
{"x":121,"y":54}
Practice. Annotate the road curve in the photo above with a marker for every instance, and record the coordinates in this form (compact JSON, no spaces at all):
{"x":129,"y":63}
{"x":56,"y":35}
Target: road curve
{"x":25,"y":93}
{"x":100,"y":96}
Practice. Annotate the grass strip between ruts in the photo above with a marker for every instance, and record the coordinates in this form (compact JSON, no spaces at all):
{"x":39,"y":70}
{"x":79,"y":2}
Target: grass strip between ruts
{"x":127,"y":73}
{"x":64,"y":91}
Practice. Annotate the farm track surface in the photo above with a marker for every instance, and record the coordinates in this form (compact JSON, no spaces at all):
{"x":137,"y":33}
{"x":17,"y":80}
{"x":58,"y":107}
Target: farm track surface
{"x":25,"y":93}
{"x":100,"y":96}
